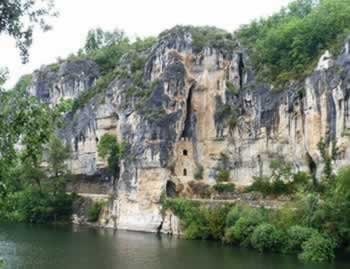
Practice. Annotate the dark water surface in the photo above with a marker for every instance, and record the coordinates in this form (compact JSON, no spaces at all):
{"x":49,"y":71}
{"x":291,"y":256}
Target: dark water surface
{"x":70,"y":247}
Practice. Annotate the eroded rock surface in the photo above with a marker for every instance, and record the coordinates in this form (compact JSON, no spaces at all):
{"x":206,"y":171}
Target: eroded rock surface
{"x":183,"y":125}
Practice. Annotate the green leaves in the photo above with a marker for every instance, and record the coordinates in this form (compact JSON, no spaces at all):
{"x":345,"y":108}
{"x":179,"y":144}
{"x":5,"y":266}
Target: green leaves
{"x":288,"y":44}
{"x":19,"y":18}
{"x":109,"y":149}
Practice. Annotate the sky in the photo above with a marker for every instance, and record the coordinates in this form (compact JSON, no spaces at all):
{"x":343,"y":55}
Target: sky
{"x":136,"y":17}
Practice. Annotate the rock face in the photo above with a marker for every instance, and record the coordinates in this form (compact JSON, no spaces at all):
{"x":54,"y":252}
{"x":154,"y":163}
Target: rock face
{"x":187,"y":123}
{"x":67,"y":80}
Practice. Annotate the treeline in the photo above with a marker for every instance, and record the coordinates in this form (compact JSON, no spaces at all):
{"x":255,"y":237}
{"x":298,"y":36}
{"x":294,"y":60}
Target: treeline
{"x":32,"y":186}
{"x":287,"y":45}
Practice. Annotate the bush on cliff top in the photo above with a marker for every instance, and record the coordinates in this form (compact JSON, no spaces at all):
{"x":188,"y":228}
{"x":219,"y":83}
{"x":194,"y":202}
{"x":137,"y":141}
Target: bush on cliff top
{"x":288,"y":44}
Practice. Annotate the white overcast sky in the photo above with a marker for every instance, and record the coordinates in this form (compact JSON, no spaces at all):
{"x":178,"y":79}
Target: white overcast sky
{"x":136,"y":17}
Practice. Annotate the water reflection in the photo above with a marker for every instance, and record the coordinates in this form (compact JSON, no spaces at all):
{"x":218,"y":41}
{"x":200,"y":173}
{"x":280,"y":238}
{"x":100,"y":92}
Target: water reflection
{"x":52,"y":247}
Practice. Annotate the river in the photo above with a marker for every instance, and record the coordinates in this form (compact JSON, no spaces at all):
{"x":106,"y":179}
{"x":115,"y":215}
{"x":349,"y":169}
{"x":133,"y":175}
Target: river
{"x":72,"y":247}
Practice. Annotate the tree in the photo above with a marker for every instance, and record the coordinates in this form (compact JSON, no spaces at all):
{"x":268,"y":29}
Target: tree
{"x":97,"y":39}
{"x":58,"y":153}
{"x":110,"y":150}
{"x":3,"y":76}
{"x":18,"y":19}
{"x":27,"y":122}
{"x":287,"y":45}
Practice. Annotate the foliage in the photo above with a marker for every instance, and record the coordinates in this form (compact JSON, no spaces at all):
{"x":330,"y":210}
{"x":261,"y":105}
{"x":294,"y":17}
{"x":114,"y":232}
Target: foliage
{"x":327,"y":161}
{"x":109,"y":149}
{"x":267,"y":237}
{"x":94,"y":211}
{"x":232,"y":88}
{"x":31,"y":205}
{"x":19,"y":18}
{"x":198,"y":173}
{"x":245,"y":225}
{"x":57,"y":154}
{"x":23,"y":83}
{"x":204,"y":37}
{"x":296,"y":236}
{"x":287,"y":44}
{"x":3,"y":76}
{"x":222,"y":175}
{"x":199,"y":222}
{"x":302,"y":227}
{"x":222,"y":187}
{"x":97,"y":39}
{"x":117,"y":57}
{"x":26,"y":194}
{"x":318,"y":248}
{"x":27,"y":121}
{"x":281,"y":181}
{"x":233,"y":215}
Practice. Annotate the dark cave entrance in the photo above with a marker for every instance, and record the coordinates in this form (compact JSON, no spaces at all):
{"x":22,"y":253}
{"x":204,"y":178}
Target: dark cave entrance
{"x":170,"y":189}
{"x":187,"y":132}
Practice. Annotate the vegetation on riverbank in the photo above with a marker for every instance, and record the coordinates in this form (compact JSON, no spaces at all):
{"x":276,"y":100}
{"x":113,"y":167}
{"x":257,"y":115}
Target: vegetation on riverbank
{"x":313,"y":225}
{"x":32,"y":185}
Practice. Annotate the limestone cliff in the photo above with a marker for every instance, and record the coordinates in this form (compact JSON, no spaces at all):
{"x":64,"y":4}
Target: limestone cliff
{"x":182,"y":125}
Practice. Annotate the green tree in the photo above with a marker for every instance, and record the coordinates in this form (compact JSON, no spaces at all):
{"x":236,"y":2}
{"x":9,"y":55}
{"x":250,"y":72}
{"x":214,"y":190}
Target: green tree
{"x":288,"y":44}
{"x":109,"y":149}
{"x":98,"y":39}
{"x":19,"y":17}
{"x":3,"y":76}
{"x":58,"y":153}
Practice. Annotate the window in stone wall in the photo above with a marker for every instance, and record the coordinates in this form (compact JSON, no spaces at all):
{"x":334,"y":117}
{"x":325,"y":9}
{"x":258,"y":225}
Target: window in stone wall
{"x":185,"y":152}
{"x":185,"y":172}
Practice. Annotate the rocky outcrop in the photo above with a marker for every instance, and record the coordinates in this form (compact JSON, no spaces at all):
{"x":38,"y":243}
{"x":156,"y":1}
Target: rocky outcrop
{"x":67,"y":80}
{"x":203,"y":107}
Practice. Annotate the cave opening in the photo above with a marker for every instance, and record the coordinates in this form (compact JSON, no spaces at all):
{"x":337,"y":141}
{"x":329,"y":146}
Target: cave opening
{"x":170,"y":189}
{"x":187,"y":132}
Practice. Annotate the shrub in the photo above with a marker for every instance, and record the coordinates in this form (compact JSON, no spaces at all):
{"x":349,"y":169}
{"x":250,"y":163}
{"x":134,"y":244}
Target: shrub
{"x":221,"y":187}
{"x":232,"y":88}
{"x":233,"y":215}
{"x":223,"y":175}
{"x":198,"y":173}
{"x":196,"y":231}
{"x":229,"y":237}
{"x":284,"y":217}
{"x":245,"y":225}
{"x":94,"y":211}
{"x":279,"y":187}
{"x":266,"y":237}
{"x":199,"y":222}
{"x":200,"y":189}
{"x":31,"y":205}
{"x":296,"y":236}
{"x":318,"y":248}
{"x":216,"y":218}
{"x":260,"y":184}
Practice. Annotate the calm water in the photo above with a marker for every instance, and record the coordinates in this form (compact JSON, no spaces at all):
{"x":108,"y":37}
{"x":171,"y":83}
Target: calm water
{"x":39,"y":247}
